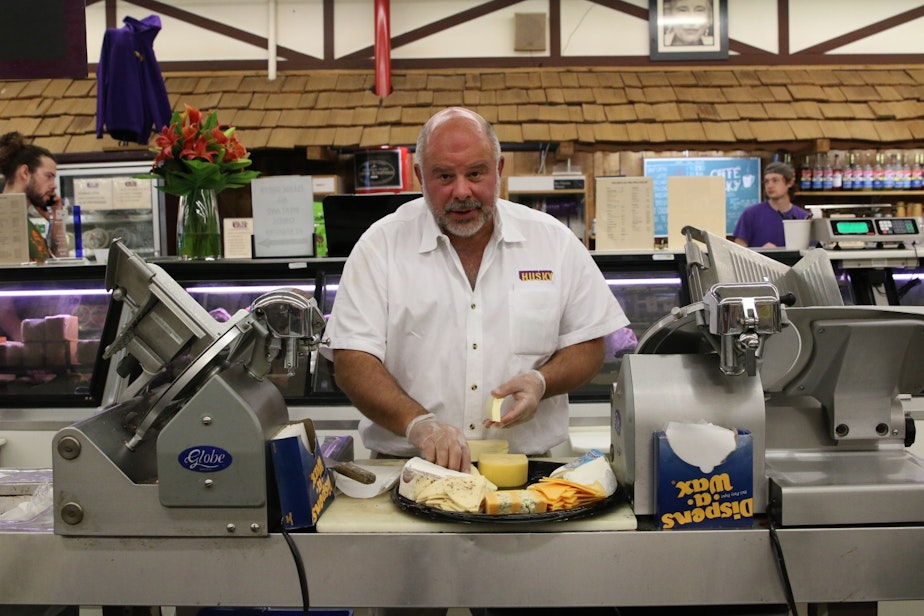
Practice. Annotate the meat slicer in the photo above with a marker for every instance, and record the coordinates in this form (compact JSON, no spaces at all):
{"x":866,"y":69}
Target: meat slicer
{"x":185,"y":456}
{"x":774,"y":350}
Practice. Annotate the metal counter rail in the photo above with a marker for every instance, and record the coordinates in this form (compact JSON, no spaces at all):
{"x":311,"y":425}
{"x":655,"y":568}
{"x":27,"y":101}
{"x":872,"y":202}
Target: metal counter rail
{"x":628,"y":568}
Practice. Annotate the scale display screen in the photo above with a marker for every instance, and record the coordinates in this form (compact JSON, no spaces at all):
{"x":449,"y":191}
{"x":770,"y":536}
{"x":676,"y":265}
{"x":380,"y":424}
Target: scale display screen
{"x":896,"y":226}
{"x":852,"y":227}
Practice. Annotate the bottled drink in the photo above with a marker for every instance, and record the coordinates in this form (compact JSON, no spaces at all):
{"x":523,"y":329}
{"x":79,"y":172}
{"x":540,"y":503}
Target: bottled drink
{"x":837,"y":174}
{"x":847,"y":181}
{"x":818,"y":174}
{"x":888,"y":174}
{"x":904,"y":182}
{"x":917,"y":174}
{"x":868,"y":175}
{"x":805,"y":175}
{"x":827,"y":178}
{"x":878,"y":173}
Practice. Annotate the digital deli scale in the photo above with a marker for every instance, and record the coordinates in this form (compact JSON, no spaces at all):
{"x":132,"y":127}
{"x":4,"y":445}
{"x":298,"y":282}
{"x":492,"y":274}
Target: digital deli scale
{"x":905,"y":231}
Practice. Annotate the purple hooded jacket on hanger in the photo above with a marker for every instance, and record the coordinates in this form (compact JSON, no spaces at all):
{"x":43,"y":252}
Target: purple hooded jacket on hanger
{"x":131,"y":98}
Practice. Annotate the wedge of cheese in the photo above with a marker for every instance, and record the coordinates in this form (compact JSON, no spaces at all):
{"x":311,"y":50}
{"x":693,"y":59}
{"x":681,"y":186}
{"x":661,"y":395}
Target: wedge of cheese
{"x":592,"y":469}
{"x":419,"y":471}
{"x":505,"y":470}
{"x":506,"y":502}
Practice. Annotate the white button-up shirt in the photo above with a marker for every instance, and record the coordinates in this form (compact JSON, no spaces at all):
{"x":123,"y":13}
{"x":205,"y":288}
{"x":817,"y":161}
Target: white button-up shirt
{"x":404,"y":298}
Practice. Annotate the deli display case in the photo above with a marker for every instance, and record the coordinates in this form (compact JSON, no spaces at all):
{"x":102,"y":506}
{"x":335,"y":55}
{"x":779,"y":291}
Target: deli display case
{"x":104,"y":201}
{"x":52,"y":319}
{"x":73,"y":373}
{"x":647,"y":286}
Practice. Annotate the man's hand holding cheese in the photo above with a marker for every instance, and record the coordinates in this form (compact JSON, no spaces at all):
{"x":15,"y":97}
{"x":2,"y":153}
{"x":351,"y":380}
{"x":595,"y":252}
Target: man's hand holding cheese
{"x":459,"y":297}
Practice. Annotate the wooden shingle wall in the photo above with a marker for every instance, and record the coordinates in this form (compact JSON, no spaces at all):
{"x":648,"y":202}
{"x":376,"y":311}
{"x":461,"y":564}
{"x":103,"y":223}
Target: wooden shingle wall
{"x":585,"y":110}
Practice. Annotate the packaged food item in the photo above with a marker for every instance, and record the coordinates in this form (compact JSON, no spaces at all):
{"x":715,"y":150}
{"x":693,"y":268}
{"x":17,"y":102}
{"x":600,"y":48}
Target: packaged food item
{"x":591,"y":469}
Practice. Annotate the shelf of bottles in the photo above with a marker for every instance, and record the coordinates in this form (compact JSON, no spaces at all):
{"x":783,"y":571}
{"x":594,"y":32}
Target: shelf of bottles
{"x":897,"y":172}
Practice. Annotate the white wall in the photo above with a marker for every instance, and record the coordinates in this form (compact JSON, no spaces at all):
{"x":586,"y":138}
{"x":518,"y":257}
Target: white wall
{"x":587,"y":28}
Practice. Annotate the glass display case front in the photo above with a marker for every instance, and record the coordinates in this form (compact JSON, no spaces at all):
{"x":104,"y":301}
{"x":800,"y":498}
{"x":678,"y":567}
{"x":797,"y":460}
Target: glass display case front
{"x":55,"y":321}
{"x":112,"y":203}
{"x":52,"y":319}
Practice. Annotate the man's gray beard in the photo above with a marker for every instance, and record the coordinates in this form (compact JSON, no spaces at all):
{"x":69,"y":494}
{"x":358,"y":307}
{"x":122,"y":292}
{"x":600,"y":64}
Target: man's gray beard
{"x":468,"y":229}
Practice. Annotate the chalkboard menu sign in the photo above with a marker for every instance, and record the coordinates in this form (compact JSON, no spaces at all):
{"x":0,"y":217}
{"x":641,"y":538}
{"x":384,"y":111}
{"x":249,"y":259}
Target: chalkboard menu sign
{"x":43,"y":39}
{"x":742,"y":184}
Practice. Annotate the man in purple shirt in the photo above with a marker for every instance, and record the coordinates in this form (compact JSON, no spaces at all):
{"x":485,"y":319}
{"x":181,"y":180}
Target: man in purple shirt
{"x":761,"y":224}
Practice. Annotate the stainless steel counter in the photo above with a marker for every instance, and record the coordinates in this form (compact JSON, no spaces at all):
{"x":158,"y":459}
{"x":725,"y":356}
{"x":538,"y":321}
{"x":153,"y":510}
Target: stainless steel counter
{"x":464,"y":569}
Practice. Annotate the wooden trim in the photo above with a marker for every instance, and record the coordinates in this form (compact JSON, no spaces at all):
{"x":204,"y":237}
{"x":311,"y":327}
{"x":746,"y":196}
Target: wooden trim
{"x":329,"y":52}
{"x":866,"y":32}
{"x":624,"y":7}
{"x":555,"y":28}
{"x":218,"y":27}
{"x":782,"y":19}
{"x":437,"y":26}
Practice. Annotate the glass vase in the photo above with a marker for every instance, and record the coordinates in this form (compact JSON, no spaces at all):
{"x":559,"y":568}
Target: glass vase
{"x":198,"y":228}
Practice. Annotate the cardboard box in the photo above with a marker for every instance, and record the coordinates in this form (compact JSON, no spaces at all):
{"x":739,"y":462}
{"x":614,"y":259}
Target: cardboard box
{"x":304,"y":482}
{"x":693,"y":497}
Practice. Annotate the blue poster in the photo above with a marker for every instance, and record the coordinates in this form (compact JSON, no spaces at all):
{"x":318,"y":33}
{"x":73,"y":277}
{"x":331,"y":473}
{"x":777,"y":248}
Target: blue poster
{"x":742,"y":184}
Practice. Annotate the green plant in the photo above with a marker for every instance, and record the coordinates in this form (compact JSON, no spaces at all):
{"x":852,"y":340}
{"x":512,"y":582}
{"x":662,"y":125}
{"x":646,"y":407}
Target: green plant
{"x":196,"y":153}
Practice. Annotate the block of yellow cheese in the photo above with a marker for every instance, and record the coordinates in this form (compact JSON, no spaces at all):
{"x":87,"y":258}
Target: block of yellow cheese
{"x":489,"y":445}
{"x":505,"y":470}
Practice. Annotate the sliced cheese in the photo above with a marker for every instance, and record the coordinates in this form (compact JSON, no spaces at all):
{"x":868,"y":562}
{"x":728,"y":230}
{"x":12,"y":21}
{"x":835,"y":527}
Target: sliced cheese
{"x":496,"y":409}
{"x":419,"y":470}
{"x":491,"y":445}
{"x":562,"y":494}
{"x":456,"y":493}
{"x":505,"y":470}
{"x":505,"y":502}
{"x":492,"y":410}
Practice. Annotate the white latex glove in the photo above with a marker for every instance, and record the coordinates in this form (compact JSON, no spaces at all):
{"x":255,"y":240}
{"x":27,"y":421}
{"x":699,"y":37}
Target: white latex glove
{"x":527,"y":390}
{"x":439,"y":443}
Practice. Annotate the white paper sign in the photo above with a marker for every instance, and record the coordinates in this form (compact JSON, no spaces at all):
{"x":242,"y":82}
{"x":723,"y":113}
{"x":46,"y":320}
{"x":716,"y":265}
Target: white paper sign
{"x":283,"y":216}
{"x":237,"y":233}
{"x":131,"y":194}
{"x":95,"y":194}
{"x":625,"y":213}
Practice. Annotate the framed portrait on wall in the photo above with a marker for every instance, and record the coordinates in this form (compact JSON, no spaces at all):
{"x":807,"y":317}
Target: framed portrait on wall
{"x":688,"y":29}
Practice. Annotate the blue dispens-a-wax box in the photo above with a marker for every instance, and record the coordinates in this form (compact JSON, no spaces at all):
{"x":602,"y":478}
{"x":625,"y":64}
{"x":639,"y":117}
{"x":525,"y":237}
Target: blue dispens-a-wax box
{"x":705,"y":478}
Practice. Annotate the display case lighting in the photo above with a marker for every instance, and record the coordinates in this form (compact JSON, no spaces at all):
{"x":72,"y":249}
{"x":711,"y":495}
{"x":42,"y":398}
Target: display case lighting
{"x":636,"y":282}
{"x":45,"y":292}
{"x":623,"y":282}
{"x":247,"y":288}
